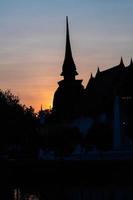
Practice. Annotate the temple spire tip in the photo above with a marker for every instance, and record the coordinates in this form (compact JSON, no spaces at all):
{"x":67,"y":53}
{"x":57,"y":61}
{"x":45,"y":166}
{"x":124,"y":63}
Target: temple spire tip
{"x":69,"y":68}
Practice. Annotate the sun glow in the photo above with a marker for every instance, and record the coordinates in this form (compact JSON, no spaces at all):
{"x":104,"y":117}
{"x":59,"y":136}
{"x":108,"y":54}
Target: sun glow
{"x":32,"y":43}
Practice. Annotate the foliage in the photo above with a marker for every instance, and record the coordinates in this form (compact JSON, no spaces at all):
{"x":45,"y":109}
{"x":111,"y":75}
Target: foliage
{"x":18,"y":122}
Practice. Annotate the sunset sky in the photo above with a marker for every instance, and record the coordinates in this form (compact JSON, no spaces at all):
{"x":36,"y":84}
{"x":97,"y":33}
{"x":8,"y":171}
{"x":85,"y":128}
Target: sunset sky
{"x":32,"y":42}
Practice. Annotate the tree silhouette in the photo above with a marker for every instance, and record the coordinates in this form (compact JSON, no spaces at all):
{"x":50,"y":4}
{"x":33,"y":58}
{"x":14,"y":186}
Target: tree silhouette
{"x":18,"y":122}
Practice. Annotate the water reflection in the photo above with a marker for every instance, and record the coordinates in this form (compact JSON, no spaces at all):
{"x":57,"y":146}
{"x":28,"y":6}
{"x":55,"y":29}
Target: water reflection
{"x":71,"y":193}
{"x":24,"y":195}
{"x":16,"y":194}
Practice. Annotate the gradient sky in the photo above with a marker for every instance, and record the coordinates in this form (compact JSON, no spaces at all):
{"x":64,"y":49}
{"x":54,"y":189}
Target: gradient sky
{"x":32,"y":42}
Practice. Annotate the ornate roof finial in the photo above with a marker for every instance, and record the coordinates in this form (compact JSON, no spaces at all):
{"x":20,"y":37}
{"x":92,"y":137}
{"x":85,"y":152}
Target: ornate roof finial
{"x":91,"y":76}
{"x":121,"y":62}
{"x":69,"y":68}
{"x":98,"y":70}
{"x":131,"y":62}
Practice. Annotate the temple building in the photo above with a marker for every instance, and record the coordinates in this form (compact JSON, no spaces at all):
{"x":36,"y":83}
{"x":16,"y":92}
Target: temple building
{"x":101,"y":94}
{"x":72,"y":101}
{"x":102,"y":89}
{"x":67,"y":103}
{"x":107,"y":98}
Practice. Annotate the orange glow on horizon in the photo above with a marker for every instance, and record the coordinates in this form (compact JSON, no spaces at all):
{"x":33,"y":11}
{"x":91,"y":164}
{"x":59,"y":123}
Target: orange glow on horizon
{"x":37,"y":87}
{"x":44,"y":98}
{"x":33,"y":39}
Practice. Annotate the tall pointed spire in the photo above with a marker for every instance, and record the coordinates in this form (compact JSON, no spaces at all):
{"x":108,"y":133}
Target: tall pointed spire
{"x":69,"y":69}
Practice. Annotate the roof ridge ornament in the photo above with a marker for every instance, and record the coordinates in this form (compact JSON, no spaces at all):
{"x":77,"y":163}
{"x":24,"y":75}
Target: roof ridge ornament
{"x":98,"y":70}
{"x":121,"y":62}
{"x":131,"y":62}
{"x":91,"y":76}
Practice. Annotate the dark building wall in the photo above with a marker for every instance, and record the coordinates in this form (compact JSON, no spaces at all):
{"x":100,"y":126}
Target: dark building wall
{"x":68,"y":100}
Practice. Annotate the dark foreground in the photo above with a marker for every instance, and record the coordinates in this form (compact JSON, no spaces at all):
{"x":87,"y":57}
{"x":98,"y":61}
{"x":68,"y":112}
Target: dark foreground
{"x":69,"y":179}
{"x":89,"y":172}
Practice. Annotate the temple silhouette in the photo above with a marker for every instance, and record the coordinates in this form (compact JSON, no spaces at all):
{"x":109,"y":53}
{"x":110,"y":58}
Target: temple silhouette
{"x":68,"y":97}
{"x":106,"y":99}
{"x":72,"y":100}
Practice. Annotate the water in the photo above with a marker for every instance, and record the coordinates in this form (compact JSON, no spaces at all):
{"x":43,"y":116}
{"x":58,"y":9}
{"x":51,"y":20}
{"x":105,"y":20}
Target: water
{"x":51,"y":192}
{"x":67,"y":180}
